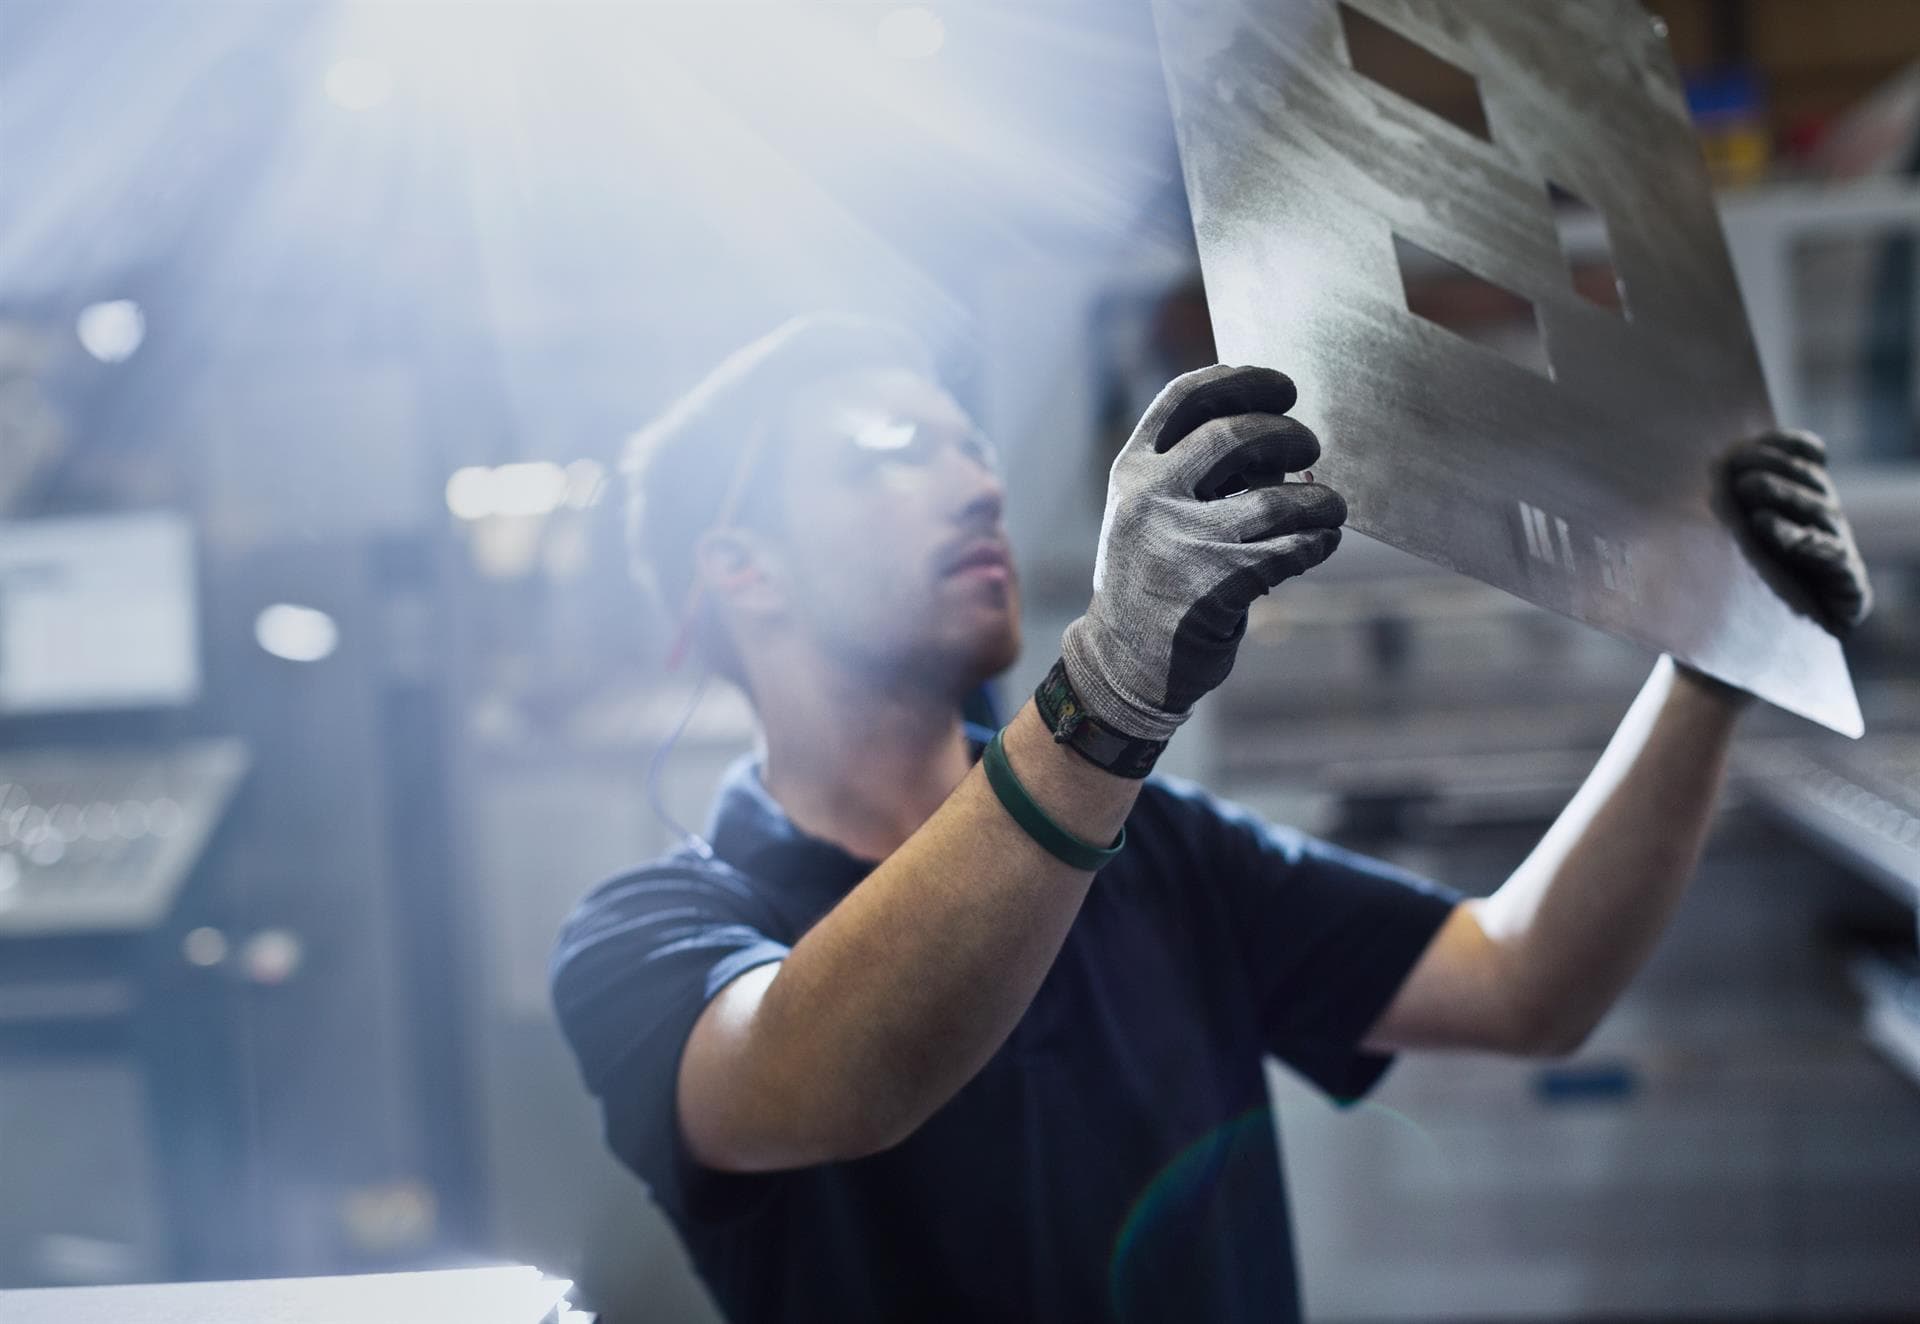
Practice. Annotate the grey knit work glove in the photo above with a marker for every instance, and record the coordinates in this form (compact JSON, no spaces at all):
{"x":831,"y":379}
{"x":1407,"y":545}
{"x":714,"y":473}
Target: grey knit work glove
{"x":1200,"y":521}
{"x":1780,"y":482}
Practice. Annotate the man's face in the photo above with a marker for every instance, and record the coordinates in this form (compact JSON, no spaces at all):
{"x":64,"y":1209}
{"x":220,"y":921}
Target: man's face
{"x":896,"y":558}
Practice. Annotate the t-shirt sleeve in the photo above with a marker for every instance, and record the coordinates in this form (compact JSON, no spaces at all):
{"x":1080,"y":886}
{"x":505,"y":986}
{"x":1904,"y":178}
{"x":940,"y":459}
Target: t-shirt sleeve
{"x":1325,"y":936}
{"x":634,"y":967}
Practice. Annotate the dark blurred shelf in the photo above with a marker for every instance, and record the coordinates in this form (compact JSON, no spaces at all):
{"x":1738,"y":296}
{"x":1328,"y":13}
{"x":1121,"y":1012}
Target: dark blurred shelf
{"x":1857,"y":803}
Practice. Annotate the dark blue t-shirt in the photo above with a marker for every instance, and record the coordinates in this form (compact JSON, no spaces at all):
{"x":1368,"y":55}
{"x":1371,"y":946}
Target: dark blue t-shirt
{"x":1114,"y":1161}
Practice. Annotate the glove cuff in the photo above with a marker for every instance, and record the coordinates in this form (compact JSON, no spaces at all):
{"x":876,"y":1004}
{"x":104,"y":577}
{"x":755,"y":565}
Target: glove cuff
{"x":1101,"y":698}
{"x":1086,"y":735}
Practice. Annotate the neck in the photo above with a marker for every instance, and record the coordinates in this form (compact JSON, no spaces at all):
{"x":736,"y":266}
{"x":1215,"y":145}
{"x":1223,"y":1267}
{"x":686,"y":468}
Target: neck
{"x":856,"y":763}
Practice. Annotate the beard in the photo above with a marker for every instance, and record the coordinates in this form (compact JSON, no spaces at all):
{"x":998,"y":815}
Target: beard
{"x":938,"y":659}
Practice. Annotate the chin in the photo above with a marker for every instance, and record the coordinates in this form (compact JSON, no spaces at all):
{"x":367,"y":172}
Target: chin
{"x":1003,"y":653}
{"x":962,"y":663}
{"x":993,"y":652}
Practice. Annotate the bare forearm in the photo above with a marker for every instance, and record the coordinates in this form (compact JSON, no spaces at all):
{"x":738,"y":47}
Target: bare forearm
{"x":1580,"y":916}
{"x":902,"y":992}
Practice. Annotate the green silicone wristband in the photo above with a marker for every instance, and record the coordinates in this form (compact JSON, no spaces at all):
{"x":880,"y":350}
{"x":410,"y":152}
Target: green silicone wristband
{"x":1033,"y":820}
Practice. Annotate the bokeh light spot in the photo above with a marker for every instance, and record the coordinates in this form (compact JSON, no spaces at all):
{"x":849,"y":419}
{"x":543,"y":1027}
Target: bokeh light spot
{"x":113,"y":330}
{"x":296,"y":634}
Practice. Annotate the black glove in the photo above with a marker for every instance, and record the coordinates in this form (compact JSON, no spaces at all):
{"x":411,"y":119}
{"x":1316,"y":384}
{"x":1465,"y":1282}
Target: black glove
{"x":1780,"y":482}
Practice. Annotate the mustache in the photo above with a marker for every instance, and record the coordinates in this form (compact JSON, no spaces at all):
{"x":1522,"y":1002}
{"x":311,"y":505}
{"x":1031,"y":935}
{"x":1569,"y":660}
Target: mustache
{"x":988,"y":548}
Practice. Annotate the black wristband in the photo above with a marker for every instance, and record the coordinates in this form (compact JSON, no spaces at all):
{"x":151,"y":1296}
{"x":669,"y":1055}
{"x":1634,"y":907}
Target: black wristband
{"x":1093,"y":740}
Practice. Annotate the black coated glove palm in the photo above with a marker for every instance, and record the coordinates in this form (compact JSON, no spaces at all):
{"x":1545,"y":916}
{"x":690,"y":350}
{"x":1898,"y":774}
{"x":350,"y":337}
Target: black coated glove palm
{"x":1780,"y":481}
{"x":1199,"y":522}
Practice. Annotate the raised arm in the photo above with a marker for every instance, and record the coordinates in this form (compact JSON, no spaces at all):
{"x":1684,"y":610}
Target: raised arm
{"x":902,"y":992}
{"x":1533,"y":968}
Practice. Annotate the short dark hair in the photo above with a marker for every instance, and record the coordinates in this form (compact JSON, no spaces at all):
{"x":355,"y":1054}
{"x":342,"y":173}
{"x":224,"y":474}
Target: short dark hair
{"x":678,"y":467}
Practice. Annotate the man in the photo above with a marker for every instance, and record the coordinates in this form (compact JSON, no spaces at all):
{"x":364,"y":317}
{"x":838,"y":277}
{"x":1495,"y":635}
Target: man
{"x":920,"y":1036}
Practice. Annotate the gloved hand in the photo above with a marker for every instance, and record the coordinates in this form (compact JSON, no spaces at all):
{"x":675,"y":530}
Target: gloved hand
{"x":1199,"y":523}
{"x":1780,"y":482}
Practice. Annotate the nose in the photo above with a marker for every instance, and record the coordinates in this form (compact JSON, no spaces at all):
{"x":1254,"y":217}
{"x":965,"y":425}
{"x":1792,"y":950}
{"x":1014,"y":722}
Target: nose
{"x":980,"y":492}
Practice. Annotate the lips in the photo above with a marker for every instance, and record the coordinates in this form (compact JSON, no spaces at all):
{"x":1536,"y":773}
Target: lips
{"x":982,"y":554}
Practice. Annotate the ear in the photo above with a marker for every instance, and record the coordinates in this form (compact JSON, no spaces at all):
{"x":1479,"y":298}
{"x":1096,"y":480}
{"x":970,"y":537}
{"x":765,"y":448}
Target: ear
{"x":737,"y":568}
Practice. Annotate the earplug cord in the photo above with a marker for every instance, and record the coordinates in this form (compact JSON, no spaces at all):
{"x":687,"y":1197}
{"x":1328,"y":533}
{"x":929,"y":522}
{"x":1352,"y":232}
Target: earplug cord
{"x":730,"y":503}
{"x":656,"y":769}
{"x":681,"y":644}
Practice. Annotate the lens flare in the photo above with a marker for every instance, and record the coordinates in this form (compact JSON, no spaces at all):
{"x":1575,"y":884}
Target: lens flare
{"x":1166,"y":1209}
{"x":1180,"y":1205}
{"x":1413,"y":1127}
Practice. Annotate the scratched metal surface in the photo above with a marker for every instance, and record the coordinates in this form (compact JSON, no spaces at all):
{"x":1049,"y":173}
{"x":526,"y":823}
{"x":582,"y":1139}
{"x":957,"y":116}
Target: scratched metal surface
{"x":1590,"y":490}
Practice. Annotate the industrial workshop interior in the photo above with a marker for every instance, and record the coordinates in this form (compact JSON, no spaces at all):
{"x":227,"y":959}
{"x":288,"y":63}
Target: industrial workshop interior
{"x":1012,"y":660}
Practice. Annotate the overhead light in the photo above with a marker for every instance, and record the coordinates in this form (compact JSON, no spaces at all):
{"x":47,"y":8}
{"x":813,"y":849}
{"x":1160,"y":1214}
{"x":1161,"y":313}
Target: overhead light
{"x":112,"y":331}
{"x":296,"y":634}
{"x":586,"y":481}
{"x":533,"y":487}
{"x":356,"y":83}
{"x":205,"y":947}
{"x":470,"y":492}
{"x":912,"y":32}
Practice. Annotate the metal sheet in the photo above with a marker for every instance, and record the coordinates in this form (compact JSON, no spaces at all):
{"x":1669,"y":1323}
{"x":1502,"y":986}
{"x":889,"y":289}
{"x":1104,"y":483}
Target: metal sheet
{"x":495,"y":1294}
{"x":1585,"y":483}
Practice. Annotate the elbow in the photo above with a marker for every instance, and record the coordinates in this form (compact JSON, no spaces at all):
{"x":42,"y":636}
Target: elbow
{"x":1552,"y":1035}
{"x":862,"y":1144}
{"x":773,"y":1125}
{"x":834,"y":1129}
{"x":798,"y":1138}
{"x":749,"y":1121}
{"x":872,"y":1130}
{"x":1542,"y":1022}
{"x":1559,"y":1044}
{"x":1546,"y":1019}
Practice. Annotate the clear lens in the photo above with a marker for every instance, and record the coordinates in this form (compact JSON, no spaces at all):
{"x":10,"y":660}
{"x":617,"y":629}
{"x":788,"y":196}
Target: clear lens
{"x":911,"y":441}
{"x":886,"y":433}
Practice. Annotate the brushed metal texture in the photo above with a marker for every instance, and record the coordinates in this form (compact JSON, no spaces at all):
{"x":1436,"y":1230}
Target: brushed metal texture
{"x":1589,"y":483}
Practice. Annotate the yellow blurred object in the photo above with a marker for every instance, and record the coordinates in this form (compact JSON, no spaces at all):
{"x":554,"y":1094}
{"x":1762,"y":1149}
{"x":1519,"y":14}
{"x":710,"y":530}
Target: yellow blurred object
{"x":1739,"y":152}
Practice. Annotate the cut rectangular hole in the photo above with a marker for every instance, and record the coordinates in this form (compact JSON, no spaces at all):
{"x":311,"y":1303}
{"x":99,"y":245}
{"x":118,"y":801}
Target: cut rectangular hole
{"x":1450,"y":296}
{"x":1404,"y":66}
{"x":1588,"y":249}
